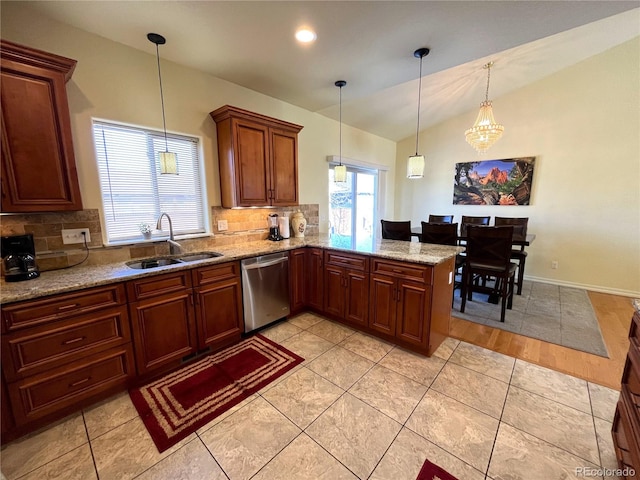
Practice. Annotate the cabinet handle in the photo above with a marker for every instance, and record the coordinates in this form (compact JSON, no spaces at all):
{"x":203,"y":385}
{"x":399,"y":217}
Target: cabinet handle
{"x":396,"y":270}
{"x":73,"y":340}
{"x":68,"y":307}
{"x":191,"y":298}
{"x":79,"y":382}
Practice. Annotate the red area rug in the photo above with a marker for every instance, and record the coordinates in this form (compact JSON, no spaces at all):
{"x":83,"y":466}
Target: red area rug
{"x":181,"y":402}
{"x":431,"y":471}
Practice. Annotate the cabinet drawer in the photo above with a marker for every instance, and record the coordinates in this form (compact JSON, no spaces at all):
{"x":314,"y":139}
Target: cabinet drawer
{"x":215,"y":273}
{"x":37,"y":312}
{"x":403,"y":270}
{"x":47,"y":346}
{"x":355,"y":262}
{"x":158,"y":285}
{"x":631,"y":376}
{"x":67,"y":386}
{"x":634,"y":331}
{"x":625,"y":446}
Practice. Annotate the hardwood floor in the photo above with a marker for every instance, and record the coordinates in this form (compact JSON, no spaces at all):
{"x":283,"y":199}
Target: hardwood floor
{"x":614,"y":316}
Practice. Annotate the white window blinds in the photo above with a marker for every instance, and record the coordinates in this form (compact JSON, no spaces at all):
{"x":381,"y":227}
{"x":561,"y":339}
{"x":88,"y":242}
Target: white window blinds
{"x":134,"y":191}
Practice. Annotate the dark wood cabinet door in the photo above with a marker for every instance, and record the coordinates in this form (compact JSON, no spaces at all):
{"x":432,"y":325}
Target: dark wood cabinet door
{"x":334,"y":291}
{"x":382,"y":304}
{"x":164,"y":330}
{"x":284,"y":168}
{"x":219,"y":315}
{"x":6,"y":418}
{"x":357,"y":297}
{"x":314,"y":284}
{"x":412,"y":320}
{"x":297,"y":261}
{"x":252,"y":164}
{"x":38,"y":166}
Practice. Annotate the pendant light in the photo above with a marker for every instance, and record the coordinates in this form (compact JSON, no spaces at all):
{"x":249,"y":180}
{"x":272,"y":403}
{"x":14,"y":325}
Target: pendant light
{"x":167,"y":159}
{"x":340,"y":171}
{"x":415,"y":164}
{"x":485,"y":132}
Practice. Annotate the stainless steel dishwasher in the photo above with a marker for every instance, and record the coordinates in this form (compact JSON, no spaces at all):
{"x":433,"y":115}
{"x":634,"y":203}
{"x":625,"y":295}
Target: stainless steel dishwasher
{"x":265,"y":289}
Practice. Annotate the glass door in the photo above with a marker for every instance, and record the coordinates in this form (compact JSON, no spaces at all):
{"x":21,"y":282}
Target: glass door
{"x":352,"y":208}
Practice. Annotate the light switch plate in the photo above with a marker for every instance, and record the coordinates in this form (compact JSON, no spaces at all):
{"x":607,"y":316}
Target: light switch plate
{"x":223,"y":225}
{"x":74,"y":235}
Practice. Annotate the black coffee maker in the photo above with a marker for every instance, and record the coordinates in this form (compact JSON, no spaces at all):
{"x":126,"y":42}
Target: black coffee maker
{"x":19,"y":258}
{"x":274,"y":229}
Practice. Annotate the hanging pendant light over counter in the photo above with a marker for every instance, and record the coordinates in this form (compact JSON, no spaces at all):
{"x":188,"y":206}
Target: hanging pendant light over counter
{"x":340,"y":171}
{"x":485,"y":132}
{"x":168,"y":161}
{"x":415,"y":163}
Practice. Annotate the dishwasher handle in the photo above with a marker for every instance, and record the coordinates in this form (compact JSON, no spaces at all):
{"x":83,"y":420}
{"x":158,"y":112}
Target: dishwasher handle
{"x":253,"y":266}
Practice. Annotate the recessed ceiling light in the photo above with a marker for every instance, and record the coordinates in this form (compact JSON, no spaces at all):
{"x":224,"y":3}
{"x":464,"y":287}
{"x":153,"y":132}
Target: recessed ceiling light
{"x":305,"y":35}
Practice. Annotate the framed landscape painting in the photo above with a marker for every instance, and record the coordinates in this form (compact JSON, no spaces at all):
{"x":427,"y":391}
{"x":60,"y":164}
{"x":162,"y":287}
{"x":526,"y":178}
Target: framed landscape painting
{"x":494,"y":182}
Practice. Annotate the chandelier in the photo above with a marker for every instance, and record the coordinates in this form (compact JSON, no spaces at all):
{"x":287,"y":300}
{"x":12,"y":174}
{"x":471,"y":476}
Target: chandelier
{"x":485,"y":132}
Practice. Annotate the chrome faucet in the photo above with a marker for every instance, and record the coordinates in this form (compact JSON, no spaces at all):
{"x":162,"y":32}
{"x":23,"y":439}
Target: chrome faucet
{"x":174,"y":247}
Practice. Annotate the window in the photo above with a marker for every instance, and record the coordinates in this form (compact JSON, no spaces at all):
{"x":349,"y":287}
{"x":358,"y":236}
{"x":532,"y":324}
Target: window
{"x":134,"y":191}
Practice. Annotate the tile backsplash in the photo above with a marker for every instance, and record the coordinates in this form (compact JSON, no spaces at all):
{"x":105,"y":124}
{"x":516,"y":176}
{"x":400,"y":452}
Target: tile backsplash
{"x":244,"y":225}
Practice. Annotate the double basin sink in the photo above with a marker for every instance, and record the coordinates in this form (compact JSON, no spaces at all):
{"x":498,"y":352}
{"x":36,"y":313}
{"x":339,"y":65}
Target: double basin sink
{"x":163,"y":261}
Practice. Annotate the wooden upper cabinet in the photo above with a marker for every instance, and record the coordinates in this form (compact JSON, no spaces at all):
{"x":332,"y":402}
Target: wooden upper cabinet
{"x":258,"y":157}
{"x":38,"y":166}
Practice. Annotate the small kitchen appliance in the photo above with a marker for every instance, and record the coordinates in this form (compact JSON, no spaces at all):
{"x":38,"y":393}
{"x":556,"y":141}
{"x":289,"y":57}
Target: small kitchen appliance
{"x":274,"y":229}
{"x":283,"y":225}
{"x":19,"y":258}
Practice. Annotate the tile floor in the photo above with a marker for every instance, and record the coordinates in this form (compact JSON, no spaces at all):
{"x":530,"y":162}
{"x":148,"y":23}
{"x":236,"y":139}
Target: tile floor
{"x":357,"y":408}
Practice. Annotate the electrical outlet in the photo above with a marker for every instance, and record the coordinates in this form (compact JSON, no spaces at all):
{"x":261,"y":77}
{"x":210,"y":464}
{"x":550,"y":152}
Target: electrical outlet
{"x":223,"y":225}
{"x":74,"y":235}
{"x":554,"y":264}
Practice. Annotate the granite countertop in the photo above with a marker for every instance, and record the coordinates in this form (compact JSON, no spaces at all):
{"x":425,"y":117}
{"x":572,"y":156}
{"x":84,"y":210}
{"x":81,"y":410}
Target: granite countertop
{"x":76,"y":278}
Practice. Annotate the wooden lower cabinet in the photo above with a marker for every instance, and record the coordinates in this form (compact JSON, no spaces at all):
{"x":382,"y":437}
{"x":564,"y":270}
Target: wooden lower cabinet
{"x":314,"y":279}
{"x":346,"y":288}
{"x":297,"y":281}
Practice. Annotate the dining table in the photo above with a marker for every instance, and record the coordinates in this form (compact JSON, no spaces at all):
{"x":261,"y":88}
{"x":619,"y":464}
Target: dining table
{"x":519,"y":241}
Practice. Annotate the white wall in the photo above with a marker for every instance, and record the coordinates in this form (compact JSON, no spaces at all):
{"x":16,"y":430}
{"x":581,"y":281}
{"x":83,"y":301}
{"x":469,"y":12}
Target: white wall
{"x":583,"y":126}
{"x":118,"y":83}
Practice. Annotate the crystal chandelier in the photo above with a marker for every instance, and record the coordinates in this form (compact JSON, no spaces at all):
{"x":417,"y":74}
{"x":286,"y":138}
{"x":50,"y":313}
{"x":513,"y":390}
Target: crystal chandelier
{"x":485,"y":132}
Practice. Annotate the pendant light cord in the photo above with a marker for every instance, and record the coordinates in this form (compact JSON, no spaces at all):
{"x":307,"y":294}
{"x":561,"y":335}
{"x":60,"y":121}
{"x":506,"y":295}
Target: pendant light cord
{"x":486,"y":95}
{"x":419,"y":97}
{"x":340,"y":125}
{"x":164,"y":123}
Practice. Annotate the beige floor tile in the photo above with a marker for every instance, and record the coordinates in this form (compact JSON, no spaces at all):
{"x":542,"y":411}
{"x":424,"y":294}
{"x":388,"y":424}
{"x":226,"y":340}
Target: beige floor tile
{"x":75,"y":465}
{"x":334,"y":332}
{"x":417,"y":367}
{"x":520,"y":456}
{"x":446,"y":348}
{"x":603,"y":401}
{"x":304,"y":459}
{"x":305,"y":320}
{"x":553,"y":422}
{"x":36,"y":449}
{"x":389,"y":392}
{"x":303,"y":396}
{"x":307,"y":345}
{"x":368,"y":347}
{"x":457,"y":428}
{"x":224,"y":415}
{"x":355,"y":433}
{"x":281,"y":331}
{"x":562,"y":388}
{"x":109,"y":414}
{"x":485,"y":361}
{"x":408,"y":452}
{"x":128,"y":450}
{"x":472,"y":388}
{"x":192,"y":461}
{"x":341,"y":366}
{"x":245,"y":441}
{"x":605,"y":444}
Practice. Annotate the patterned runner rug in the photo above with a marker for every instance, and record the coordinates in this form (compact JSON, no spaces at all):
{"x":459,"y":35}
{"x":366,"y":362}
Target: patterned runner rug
{"x":555,"y":314}
{"x":179,"y":403}
{"x":431,"y":471}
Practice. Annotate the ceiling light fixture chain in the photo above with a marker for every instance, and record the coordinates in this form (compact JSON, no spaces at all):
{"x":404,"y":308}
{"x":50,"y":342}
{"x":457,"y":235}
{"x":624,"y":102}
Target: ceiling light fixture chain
{"x":415,"y":163}
{"x":167,"y":159}
{"x":340,"y":171}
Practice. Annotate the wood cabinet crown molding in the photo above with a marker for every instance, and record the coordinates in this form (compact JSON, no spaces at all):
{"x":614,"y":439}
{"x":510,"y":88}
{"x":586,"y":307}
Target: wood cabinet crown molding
{"x":227,"y":111}
{"x":37,"y":58}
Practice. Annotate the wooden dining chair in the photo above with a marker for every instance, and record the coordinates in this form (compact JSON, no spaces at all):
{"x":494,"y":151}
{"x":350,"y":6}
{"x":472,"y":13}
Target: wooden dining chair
{"x":440,"y":218}
{"x":517,"y":252}
{"x":489,"y":255}
{"x":467,"y":220}
{"x":443,"y":234}
{"x":396,"y":230}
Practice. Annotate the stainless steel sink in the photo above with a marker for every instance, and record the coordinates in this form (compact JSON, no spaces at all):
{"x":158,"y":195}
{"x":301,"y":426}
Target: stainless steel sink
{"x":152,"y":263}
{"x":194,"y":257}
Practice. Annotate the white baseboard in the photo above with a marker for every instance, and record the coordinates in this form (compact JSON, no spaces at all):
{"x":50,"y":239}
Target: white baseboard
{"x":593,"y":288}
